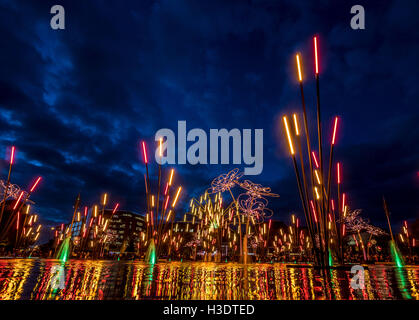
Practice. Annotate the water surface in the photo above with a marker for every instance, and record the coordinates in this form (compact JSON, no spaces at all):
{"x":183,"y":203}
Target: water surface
{"x":40,"y":279}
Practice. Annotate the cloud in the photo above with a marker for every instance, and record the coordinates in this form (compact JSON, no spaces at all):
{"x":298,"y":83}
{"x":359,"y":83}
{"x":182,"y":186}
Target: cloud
{"x":76,"y":102}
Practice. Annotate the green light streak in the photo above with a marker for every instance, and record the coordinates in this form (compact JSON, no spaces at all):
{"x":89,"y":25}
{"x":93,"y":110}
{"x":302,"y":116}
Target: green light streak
{"x":64,"y":251}
{"x":330,"y":259}
{"x":150,"y":256}
{"x":396,"y":255}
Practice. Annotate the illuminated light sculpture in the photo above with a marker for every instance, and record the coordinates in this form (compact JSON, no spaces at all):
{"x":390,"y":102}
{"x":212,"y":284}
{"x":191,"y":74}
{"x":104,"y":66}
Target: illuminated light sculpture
{"x":212,"y":216}
{"x":10,"y":192}
{"x":315,"y":187}
{"x":159,"y":217}
{"x":355,"y":223}
{"x":5,"y":187}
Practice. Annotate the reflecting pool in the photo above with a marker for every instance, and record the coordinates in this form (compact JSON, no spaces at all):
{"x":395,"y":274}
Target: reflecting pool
{"x":43,"y":279}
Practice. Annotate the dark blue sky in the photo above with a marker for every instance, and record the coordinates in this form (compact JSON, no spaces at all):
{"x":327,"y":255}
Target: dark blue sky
{"x":76,"y":102}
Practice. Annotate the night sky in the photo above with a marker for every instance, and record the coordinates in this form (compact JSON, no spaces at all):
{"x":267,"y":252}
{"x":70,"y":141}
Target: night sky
{"x":76,"y":102}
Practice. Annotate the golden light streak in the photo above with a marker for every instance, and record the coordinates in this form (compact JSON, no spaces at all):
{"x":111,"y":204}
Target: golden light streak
{"x":300,"y":77}
{"x":171,"y":177}
{"x":288,"y":134}
{"x":317,"y":193}
{"x":317,"y":177}
{"x":297,"y":130}
{"x":105,"y":198}
{"x":176,"y":197}
{"x":316,"y":57}
{"x":168,"y":215}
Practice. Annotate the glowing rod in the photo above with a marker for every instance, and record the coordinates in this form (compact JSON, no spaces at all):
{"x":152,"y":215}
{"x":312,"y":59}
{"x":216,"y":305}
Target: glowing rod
{"x":18,"y":200}
{"x":338,"y":169}
{"x":288,"y":135}
{"x":171,"y":177}
{"x":316,"y":57}
{"x":35,"y":184}
{"x":177,"y":195}
{"x":297,"y":131}
{"x":300,"y":77}
{"x":12,"y":155}
{"x":315,"y":159}
{"x":144,"y":153}
{"x":334,"y":130}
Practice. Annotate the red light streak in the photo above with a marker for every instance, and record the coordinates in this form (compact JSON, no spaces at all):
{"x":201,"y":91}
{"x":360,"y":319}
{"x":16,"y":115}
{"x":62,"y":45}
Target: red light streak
{"x":338,"y":169}
{"x":144,"y":153}
{"x":18,"y":200}
{"x":167,"y":201}
{"x":333,"y":204}
{"x":343,"y":202}
{"x":85,"y":211}
{"x":12,"y":155}
{"x":315,"y":159}
{"x":35,"y":184}
{"x":314,"y":210}
{"x":116,"y":207}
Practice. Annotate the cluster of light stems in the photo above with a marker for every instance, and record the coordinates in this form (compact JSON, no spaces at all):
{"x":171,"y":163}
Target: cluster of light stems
{"x":159,"y":216}
{"x":94,"y":233}
{"x":319,"y":210}
{"x":25,"y":231}
{"x":292,"y":239}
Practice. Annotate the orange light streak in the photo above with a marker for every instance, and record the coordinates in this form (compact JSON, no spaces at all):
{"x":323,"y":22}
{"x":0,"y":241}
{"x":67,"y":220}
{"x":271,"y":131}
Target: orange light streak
{"x":300,"y":77}
{"x":171,"y":176}
{"x":316,"y":57}
{"x":334,"y":130}
{"x":297,"y":130}
{"x":177,"y":196}
{"x":288,"y":135}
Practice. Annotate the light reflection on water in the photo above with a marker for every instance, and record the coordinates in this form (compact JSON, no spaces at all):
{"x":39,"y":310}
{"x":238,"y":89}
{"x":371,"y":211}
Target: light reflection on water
{"x":32,"y":279}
